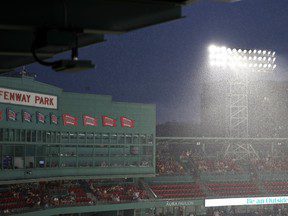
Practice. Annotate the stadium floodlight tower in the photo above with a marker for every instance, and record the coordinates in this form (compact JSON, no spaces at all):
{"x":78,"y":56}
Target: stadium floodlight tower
{"x":238,"y":64}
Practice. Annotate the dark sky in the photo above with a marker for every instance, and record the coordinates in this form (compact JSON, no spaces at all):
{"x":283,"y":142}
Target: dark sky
{"x":165,"y":64}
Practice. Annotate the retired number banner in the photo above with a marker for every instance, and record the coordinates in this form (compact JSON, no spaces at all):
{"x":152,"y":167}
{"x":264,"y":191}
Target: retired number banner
{"x":53,"y":119}
{"x":126,"y":122}
{"x":69,"y":120}
{"x":90,"y":121}
{"x":11,"y":115}
{"x":26,"y":116}
{"x":107,"y":121}
{"x":40,"y":118}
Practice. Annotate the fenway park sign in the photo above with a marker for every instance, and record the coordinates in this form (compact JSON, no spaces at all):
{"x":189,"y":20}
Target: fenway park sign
{"x":12,"y":96}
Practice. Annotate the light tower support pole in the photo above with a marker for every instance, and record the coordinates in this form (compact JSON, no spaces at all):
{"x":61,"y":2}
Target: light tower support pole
{"x":238,"y":63}
{"x":239,"y":118}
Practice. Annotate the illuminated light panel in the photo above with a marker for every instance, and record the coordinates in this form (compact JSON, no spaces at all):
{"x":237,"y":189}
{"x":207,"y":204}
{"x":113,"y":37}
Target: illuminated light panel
{"x":246,"y":201}
{"x":224,"y":57}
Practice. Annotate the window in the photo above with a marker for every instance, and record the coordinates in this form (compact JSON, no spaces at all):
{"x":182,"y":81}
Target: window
{"x":23,"y":136}
{"x":129,"y":138}
{"x":19,"y":156}
{"x":65,"y":137}
{"x":1,"y":134}
{"x":106,"y":139}
{"x":98,"y":138}
{"x":39,"y":136}
{"x":8,"y":156}
{"x":30,"y":156}
{"x":135,"y":139}
{"x":121,"y":138}
{"x":73,"y":137}
{"x":48,"y":137}
{"x":143,"y":139}
{"x":68,"y":151}
{"x":113,"y":138}
{"x":44,"y":136}
{"x":53,"y":137}
{"x":90,"y":137}
{"x":150,"y":139}
{"x":82,"y":137}
{"x":85,"y":151}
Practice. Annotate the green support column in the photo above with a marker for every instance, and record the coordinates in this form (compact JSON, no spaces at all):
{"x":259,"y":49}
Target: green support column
{"x":25,"y":152}
{"x":77,"y":165}
{"x":60,"y":158}
{"x":13,"y":157}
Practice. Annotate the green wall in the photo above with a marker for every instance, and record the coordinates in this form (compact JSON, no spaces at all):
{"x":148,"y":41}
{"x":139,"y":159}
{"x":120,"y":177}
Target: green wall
{"x":84,"y":151}
{"x":78,"y":105}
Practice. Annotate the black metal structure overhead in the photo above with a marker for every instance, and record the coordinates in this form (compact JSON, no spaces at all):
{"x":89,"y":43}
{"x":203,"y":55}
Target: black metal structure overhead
{"x":54,"y":23}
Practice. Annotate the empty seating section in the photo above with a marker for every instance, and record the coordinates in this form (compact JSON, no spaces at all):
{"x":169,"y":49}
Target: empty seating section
{"x":177,"y":190}
{"x":233,"y":189}
{"x":276,"y":188}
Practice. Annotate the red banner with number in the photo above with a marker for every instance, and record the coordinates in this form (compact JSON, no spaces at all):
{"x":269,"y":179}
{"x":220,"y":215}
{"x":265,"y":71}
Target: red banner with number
{"x":126,"y":122}
{"x":107,"y":121}
{"x":90,"y":121}
{"x":69,"y":120}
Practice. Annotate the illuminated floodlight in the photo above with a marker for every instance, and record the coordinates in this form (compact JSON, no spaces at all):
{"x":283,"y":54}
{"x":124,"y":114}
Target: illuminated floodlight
{"x":223,"y":49}
{"x":223,"y":57}
{"x":212,"y":48}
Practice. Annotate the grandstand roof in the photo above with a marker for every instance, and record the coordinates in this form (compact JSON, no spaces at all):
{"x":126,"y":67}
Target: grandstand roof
{"x":57,"y":21}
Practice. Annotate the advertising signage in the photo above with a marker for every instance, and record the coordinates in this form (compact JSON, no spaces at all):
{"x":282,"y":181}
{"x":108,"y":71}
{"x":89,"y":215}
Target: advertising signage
{"x":246,"y":201}
{"x":11,"y":96}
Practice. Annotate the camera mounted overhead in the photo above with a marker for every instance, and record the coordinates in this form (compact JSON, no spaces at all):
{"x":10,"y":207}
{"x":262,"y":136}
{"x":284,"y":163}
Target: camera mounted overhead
{"x":63,"y":65}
